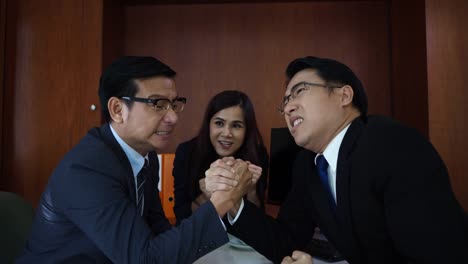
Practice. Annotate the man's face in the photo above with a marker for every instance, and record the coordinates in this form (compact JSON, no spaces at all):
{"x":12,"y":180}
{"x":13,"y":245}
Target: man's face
{"x":315,"y":114}
{"x":144,"y":127}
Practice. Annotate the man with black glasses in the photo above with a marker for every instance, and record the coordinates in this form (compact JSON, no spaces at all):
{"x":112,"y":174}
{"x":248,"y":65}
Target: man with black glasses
{"x":101,"y":204}
{"x":377,"y":189}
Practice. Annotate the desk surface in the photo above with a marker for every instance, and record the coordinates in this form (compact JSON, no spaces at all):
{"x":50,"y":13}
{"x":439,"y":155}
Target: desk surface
{"x":230,"y":254}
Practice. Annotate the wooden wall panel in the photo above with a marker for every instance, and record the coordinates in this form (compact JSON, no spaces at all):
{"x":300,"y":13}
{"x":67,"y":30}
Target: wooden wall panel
{"x":112,"y":31}
{"x":409,"y":66}
{"x":2,"y":81}
{"x":447,"y":59}
{"x":54,"y":63}
{"x":246,"y":46}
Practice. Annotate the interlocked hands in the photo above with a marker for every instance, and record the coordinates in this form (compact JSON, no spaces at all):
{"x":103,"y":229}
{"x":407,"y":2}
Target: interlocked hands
{"x":228,"y":180}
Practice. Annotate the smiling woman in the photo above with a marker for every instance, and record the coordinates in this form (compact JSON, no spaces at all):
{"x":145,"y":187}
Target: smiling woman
{"x":229,"y":129}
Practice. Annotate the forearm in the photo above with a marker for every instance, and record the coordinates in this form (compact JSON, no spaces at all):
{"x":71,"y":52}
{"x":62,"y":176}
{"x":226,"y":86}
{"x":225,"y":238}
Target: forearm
{"x":182,"y":206}
{"x":235,"y":209}
{"x":197,"y":202}
{"x":221,"y":204}
{"x":267,"y":236}
{"x":203,"y":228}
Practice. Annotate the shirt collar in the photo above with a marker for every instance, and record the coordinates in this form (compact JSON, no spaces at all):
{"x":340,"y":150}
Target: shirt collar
{"x":136,"y":159}
{"x":332,"y":150}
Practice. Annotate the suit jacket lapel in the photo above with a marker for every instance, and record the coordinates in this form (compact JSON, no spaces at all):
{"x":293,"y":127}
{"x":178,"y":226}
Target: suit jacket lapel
{"x":343,"y":179}
{"x":327,"y":220}
{"x":110,"y":140}
{"x":151,"y":183}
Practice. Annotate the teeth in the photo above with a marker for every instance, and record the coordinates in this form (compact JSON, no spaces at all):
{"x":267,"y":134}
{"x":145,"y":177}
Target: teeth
{"x":297,"y":121}
{"x":225,"y":143}
{"x":162,"y":132}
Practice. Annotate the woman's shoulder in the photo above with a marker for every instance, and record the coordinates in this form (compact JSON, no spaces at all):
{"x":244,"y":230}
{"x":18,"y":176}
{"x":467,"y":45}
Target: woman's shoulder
{"x":186,"y":146}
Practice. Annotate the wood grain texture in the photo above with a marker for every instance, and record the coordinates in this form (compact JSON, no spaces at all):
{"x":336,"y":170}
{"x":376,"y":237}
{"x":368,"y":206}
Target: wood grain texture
{"x":192,"y":2}
{"x":447,"y":59}
{"x":54,"y":52}
{"x":53,"y":73}
{"x":247,"y":46}
{"x":2,"y":82}
{"x":408,"y":63}
{"x":112,"y":31}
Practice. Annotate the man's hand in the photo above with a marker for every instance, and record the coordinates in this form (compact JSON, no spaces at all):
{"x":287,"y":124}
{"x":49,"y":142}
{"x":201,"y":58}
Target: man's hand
{"x":221,"y":176}
{"x":205,"y":192}
{"x":227,"y":184}
{"x":298,"y":257}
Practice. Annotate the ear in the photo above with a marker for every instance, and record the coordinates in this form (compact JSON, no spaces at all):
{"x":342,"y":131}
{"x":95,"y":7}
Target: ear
{"x":347,"y":95}
{"x":116,"y":109}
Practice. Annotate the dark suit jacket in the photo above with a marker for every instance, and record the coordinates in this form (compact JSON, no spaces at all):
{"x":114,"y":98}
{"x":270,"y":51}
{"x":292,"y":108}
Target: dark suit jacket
{"x":88,"y":212}
{"x":184,"y":173}
{"x":394,"y":203}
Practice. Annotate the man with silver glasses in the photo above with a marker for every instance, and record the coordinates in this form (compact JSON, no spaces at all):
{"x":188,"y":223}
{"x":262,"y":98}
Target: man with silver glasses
{"x":101,"y":204}
{"x":377,"y":189}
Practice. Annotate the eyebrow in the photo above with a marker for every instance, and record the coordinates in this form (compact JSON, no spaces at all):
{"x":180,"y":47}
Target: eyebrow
{"x":235,"y":121}
{"x":238,"y":122}
{"x":159,"y":96}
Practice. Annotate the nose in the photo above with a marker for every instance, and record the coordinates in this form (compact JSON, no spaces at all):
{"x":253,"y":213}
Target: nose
{"x":226,"y":131}
{"x":170,"y":116}
{"x":290,"y":107}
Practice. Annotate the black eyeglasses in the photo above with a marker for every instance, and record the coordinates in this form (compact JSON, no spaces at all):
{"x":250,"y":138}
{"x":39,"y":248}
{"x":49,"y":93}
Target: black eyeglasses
{"x":161,"y":104}
{"x":297,"y":90}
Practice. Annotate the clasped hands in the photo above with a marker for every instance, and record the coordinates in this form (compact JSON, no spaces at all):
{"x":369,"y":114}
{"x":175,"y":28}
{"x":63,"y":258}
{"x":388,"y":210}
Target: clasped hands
{"x":225,"y":174}
{"x":230,"y":179}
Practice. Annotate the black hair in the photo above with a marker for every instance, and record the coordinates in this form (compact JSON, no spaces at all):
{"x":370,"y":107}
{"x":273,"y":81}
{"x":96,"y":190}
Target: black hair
{"x":252,"y":149}
{"x":333,"y":73}
{"x":118,"y":79}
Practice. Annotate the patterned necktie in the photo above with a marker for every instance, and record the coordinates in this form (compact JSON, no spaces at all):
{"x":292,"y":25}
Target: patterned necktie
{"x":141,"y":178}
{"x":322,"y":166}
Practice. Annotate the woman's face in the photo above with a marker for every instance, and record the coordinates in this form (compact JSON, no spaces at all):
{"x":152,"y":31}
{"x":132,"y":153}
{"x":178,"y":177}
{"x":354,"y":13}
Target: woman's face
{"x":227,"y":131}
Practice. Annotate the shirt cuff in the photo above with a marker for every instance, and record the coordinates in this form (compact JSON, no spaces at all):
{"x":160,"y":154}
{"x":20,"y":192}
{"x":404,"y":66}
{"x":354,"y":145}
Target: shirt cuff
{"x":233,"y":221}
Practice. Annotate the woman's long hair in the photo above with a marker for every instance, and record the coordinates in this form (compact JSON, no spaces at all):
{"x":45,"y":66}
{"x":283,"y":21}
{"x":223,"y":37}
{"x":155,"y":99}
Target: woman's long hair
{"x":204,"y":153}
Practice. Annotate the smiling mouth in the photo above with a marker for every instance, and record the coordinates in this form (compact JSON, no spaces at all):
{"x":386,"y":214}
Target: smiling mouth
{"x":163,"y":133}
{"x":225,"y":144}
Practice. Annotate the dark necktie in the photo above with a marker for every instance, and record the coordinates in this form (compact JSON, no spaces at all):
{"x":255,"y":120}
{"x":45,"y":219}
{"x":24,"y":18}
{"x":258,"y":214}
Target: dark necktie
{"x":322,"y":166}
{"x":141,"y":179}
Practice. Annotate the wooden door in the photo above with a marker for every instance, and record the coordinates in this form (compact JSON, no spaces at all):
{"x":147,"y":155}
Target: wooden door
{"x":52,"y":69}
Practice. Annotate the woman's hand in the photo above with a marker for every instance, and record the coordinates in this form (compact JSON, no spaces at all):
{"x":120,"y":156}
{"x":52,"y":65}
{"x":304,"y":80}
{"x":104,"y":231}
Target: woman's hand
{"x":256,"y":172}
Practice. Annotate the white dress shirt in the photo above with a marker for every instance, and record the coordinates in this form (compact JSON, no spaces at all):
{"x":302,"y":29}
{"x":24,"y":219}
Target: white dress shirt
{"x":137,"y":161}
{"x":331,"y":155}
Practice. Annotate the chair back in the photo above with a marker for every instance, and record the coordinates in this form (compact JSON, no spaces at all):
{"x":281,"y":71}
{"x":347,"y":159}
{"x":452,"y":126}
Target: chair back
{"x":167,"y":186}
{"x":16,"y":217}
